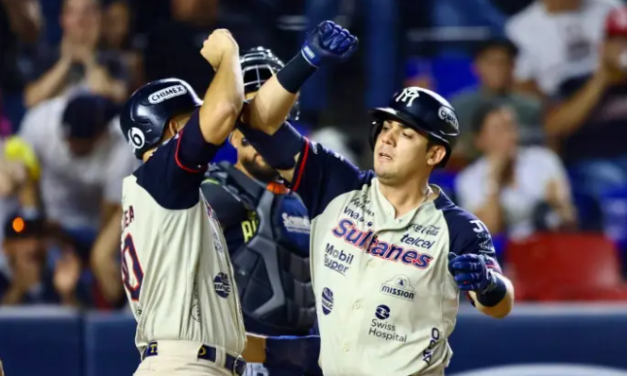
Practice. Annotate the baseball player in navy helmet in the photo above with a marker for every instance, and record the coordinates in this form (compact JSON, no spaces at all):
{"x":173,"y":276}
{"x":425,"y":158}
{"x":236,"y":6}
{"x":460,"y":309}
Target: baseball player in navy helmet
{"x":390,"y":253}
{"x":175,"y":266}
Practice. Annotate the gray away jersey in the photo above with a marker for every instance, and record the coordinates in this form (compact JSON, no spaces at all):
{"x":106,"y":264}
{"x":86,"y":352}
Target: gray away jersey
{"x":176,"y":268}
{"x":386,"y":302}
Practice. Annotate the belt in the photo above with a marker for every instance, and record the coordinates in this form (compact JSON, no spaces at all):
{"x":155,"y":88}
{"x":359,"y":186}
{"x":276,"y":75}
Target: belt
{"x":237,"y":365}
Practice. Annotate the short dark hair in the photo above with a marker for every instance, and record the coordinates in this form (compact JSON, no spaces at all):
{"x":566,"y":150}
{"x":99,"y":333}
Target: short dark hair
{"x":480,"y":115}
{"x":495,"y":43}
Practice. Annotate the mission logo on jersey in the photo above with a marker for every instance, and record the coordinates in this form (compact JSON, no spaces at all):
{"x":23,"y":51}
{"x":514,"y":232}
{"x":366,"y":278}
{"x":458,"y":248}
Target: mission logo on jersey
{"x":399,"y":287}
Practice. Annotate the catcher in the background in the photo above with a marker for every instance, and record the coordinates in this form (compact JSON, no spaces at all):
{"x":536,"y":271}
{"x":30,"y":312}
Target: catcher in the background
{"x":266,"y":227}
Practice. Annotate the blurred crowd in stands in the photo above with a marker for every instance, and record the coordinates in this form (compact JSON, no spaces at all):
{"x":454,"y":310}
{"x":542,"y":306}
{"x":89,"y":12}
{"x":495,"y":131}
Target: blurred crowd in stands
{"x":540,"y":88}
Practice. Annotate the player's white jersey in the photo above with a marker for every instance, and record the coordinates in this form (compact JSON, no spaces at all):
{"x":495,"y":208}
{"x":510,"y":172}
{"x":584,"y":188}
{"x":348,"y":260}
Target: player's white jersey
{"x":386,"y":301}
{"x":175,"y":263}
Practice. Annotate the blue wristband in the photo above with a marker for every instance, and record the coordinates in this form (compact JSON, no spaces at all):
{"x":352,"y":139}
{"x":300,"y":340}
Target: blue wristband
{"x":295,"y":73}
{"x":495,"y":294}
{"x":278,"y":149}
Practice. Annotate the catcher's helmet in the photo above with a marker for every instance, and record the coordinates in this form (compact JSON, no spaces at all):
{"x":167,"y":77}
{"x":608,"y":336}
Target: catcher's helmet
{"x":424,"y":111}
{"x":258,"y":65}
{"x":147,"y":112}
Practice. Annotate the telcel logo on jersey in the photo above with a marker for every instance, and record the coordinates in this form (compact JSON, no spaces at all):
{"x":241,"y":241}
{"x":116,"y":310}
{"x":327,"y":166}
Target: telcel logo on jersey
{"x":381,"y":329}
{"x":222,"y":285}
{"x":347,"y":231}
{"x":399,"y":287}
{"x":337,"y":260}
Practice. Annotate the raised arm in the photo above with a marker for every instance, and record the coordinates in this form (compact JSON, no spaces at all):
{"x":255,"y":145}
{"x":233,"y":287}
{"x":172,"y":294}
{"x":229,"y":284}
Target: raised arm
{"x":264,"y":118}
{"x":225,"y":96}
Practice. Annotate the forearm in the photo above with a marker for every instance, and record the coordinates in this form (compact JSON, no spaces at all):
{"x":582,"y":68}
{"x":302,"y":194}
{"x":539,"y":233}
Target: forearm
{"x":529,"y":87}
{"x":223,"y":100}
{"x":12,"y":297}
{"x":503,"y":307}
{"x":48,"y":85}
{"x":570,"y":115}
{"x":24,"y":18}
{"x":103,"y":263}
{"x":255,"y":351}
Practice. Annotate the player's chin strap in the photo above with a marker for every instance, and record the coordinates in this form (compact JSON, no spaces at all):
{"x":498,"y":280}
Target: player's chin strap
{"x":297,"y":351}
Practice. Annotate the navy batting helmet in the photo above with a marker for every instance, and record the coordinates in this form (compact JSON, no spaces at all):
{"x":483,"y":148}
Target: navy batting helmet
{"x":147,"y":112}
{"x":258,"y":65}
{"x":424,"y":111}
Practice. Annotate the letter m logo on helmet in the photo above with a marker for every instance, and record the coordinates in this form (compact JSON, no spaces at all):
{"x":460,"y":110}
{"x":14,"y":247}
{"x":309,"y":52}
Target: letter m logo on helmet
{"x":408,"y":95}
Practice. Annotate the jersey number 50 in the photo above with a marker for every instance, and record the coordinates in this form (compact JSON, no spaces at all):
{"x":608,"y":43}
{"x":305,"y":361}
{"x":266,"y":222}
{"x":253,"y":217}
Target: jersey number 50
{"x":132,"y":273}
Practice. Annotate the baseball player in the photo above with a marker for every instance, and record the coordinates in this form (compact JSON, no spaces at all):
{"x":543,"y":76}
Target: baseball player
{"x":175,"y":268}
{"x":390,"y":253}
{"x":266,"y":227}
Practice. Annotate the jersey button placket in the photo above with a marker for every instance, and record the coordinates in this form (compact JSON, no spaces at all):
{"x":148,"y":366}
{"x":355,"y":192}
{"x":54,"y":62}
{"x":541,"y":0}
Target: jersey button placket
{"x":346,"y":347}
{"x":357,"y":305}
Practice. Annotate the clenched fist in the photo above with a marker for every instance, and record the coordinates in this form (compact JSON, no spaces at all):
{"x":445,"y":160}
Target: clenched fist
{"x":219,"y":43}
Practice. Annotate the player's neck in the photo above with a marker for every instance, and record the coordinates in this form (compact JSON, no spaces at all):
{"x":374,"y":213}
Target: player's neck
{"x":407,"y":196}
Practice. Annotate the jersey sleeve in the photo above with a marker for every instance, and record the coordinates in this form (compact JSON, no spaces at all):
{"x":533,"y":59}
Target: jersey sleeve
{"x":468,"y":235}
{"x":175,"y":171}
{"x":321,"y":175}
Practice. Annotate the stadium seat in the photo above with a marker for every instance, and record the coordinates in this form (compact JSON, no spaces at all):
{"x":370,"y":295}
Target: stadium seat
{"x":565,"y":267}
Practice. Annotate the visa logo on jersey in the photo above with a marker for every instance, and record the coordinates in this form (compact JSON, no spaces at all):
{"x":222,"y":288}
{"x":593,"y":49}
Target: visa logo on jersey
{"x":347,"y":231}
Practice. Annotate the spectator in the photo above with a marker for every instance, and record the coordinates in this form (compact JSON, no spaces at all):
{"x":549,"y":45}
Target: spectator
{"x":83,"y":158}
{"x":558,"y":40}
{"x":77,"y":61}
{"x":494,"y":66}
{"x":19,"y":172}
{"x":117,"y":39}
{"x":513,"y":190}
{"x":172,"y":47}
{"x":25,"y":278}
{"x":588,"y":117}
{"x":21,"y":22}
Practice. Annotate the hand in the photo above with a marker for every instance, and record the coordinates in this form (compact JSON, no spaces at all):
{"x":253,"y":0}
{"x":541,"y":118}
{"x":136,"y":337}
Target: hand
{"x":99,"y":81}
{"x":13,"y":175}
{"x":220,"y":42}
{"x":27,"y":272}
{"x":612,"y":68}
{"x":498,"y":167}
{"x":471,"y":273}
{"x":67,"y":273}
{"x":553,"y":194}
{"x":328,"y":42}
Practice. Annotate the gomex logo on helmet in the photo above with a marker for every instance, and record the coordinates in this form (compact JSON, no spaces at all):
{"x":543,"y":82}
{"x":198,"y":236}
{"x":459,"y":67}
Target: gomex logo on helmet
{"x":167,"y":93}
